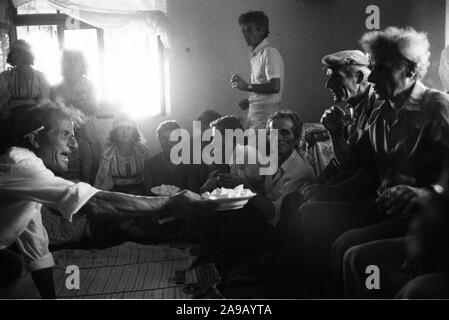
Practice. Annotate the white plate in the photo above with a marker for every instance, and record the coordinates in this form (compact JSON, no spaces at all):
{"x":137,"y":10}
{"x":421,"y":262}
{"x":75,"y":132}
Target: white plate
{"x":157,"y":191}
{"x":231,"y":203}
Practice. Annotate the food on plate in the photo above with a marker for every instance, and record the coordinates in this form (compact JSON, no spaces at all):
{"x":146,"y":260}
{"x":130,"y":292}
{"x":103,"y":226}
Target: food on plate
{"x":222,"y":193}
{"x":165,"y":190}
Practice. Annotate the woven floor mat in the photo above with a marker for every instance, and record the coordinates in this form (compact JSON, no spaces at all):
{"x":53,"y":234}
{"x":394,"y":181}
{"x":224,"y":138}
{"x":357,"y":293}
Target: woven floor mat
{"x":128,"y":271}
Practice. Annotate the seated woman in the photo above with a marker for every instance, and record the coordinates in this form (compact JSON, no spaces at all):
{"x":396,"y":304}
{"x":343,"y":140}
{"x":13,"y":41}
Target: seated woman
{"x":21,"y":87}
{"x":77,"y":91}
{"x":122,"y":163}
{"x":161,"y":170}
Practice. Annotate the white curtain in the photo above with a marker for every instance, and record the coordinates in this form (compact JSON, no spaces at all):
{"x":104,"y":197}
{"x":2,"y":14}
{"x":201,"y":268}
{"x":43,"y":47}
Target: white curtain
{"x":148,"y":15}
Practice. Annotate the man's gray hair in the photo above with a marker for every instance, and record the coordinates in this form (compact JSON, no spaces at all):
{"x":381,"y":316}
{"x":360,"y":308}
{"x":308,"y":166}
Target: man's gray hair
{"x":287,"y":114}
{"x":41,"y":119}
{"x":404,"y":44}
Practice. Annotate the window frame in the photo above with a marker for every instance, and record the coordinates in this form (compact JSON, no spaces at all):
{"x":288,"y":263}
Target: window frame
{"x":9,"y":28}
{"x":59,"y":19}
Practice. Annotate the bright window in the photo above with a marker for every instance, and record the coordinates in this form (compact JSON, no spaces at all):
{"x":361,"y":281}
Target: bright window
{"x":4,"y":48}
{"x":132,"y":72}
{"x":124,"y":65}
{"x":44,"y":41}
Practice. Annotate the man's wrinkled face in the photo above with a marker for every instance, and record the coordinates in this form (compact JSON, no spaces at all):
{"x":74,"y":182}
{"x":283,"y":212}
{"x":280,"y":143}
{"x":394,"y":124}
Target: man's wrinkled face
{"x":55,"y":148}
{"x":343,"y":86}
{"x":252,"y":35}
{"x":389,"y":77}
{"x":286,"y":137}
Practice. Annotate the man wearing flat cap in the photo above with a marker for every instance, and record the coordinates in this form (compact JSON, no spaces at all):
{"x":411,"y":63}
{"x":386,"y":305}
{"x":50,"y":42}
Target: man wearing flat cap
{"x":347,"y":73}
{"x":347,"y":80}
{"x":316,"y":220}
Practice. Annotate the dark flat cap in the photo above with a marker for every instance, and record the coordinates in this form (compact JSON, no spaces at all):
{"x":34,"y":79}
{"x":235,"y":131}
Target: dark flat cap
{"x":346,"y":57}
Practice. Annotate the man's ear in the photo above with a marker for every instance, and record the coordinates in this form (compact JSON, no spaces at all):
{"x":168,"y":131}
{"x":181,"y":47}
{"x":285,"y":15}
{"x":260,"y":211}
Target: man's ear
{"x":34,"y":139}
{"x":411,"y":70}
{"x":360,"y":77}
{"x":410,"y":73}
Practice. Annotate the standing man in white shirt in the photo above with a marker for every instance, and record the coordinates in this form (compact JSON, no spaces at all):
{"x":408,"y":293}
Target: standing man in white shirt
{"x":267,"y":71}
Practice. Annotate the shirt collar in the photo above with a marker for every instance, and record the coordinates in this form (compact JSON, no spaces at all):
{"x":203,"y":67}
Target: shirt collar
{"x":260,"y":47}
{"x":290,"y":162}
{"x":414,"y":101}
{"x":364,"y":103}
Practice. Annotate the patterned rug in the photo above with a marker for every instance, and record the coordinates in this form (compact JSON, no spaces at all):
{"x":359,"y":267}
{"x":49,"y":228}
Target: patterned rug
{"x":128,"y":271}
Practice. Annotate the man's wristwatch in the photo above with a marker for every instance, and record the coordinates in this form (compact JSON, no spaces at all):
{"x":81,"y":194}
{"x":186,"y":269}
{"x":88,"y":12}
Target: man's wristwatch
{"x":249,"y":87}
{"x":437,"y":188}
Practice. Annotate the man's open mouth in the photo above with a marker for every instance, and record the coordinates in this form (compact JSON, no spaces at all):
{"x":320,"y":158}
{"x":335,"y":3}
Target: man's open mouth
{"x":65,"y":156}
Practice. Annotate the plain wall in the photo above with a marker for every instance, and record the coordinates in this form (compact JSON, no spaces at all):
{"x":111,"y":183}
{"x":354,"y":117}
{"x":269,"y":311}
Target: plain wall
{"x":207,"y":47}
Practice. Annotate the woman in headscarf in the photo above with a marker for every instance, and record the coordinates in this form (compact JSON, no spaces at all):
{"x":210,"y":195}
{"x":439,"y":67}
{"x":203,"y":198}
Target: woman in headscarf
{"x":122,"y":163}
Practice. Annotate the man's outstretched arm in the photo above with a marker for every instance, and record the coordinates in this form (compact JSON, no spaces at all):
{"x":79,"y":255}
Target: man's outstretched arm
{"x":129,"y":206}
{"x":124,"y":204}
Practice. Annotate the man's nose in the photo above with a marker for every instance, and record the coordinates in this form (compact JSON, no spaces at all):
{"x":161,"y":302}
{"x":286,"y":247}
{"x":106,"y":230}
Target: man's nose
{"x":73,"y":144}
{"x":372,"y":77}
